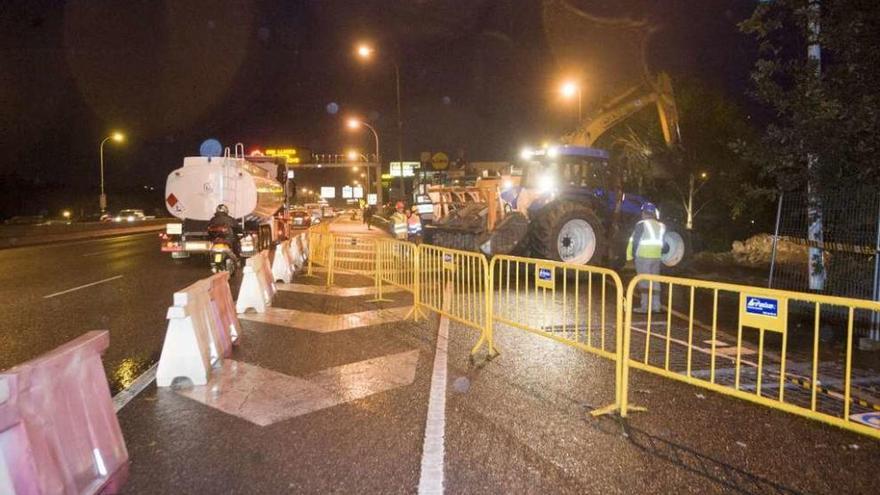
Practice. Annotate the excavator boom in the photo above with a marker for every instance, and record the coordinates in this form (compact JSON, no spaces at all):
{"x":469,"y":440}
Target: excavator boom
{"x":630,"y":102}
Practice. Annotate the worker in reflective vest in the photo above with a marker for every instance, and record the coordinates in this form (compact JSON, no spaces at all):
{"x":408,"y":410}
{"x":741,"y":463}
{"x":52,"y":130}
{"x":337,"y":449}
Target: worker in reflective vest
{"x":646,"y":247}
{"x":414,"y":224}
{"x":398,"y":222}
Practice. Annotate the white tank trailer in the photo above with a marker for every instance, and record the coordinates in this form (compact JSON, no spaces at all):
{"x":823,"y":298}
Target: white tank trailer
{"x":252,"y":187}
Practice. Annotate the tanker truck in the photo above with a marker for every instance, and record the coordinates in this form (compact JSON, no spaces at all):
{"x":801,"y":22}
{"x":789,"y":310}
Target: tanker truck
{"x":251,"y":187}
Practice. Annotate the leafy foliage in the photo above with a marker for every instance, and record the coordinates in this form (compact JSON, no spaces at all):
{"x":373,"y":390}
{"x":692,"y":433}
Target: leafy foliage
{"x":833,"y":117}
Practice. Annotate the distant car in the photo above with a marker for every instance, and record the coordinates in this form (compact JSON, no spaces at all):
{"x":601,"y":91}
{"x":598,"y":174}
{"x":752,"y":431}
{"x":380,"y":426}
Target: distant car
{"x":300,"y":218}
{"x":130,"y":216}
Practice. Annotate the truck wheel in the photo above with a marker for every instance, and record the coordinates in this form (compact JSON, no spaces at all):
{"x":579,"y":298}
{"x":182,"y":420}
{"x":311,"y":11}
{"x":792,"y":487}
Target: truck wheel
{"x":569,"y":232}
{"x":676,"y":246}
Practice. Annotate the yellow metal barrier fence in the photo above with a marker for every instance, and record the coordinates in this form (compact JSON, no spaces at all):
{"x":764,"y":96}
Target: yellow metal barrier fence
{"x":320,"y":242}
{"x":463,"y":278}
{"x":396,"y":265}
{"x":746,"y":351}
{"x":352,"y":254}
{"x":577,"y":305}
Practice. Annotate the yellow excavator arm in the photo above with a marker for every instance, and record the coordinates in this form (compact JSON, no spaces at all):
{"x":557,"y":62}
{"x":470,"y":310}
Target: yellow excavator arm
{"x":630,"y":102}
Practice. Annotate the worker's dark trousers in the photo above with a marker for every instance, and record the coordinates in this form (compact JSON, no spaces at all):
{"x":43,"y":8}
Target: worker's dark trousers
{"x":648,"y":266}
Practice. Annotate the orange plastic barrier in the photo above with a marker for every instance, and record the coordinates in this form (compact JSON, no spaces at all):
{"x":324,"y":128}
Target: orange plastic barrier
{"x":58,"y":430}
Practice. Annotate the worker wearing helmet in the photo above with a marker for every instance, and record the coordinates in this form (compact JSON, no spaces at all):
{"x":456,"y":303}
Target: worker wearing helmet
{"x":399,"y":222}
{"x":646,"y":247}
{"x":413,"y":224}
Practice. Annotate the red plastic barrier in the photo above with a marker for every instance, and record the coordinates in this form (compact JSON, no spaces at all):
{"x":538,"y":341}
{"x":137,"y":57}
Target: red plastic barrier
{"x":58,"y":431}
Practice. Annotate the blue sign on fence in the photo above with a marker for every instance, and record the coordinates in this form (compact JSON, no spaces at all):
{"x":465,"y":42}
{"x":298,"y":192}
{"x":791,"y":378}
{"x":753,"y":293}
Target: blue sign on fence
{"x":763,"y":306}
{"x":545,"y":274}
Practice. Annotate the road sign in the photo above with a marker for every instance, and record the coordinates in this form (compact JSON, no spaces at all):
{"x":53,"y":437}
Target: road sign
{"x":871,"y":419}
{"x":357,"y":192}
{"x":372,"y":199}
{"x":346,"y":192}
{"x":408,"y":169}
{"x":294,"y":156}
{"x":440,"y":161}
{"x":328,"y":192}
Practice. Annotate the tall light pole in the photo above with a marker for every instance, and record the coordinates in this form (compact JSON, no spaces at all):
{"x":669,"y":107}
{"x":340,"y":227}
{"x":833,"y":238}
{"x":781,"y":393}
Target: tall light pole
{"x":569,"y":90}
{"x":356,"y":123}
{"x":118,"y":137}
{"x":365,"y":52}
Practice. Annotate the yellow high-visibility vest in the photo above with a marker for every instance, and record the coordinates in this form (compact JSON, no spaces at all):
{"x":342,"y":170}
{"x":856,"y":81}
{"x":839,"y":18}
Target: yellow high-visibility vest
{"x":650,"y":242}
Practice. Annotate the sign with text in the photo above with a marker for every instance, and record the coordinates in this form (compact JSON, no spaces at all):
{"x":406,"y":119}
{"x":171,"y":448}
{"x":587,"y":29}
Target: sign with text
{"x":545,"y":276}
{"x":409,"y":169}
{"x":328,"y":192}
{"x":763,"y":310}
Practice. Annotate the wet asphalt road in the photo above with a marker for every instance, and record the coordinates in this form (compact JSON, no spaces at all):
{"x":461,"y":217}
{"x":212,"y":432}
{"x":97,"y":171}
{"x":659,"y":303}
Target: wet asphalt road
{"x":132,"y":307}
{"x":517,"y":424}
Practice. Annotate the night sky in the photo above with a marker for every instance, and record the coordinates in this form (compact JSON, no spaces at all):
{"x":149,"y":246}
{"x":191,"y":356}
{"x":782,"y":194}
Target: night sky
{"x":477,"y":76}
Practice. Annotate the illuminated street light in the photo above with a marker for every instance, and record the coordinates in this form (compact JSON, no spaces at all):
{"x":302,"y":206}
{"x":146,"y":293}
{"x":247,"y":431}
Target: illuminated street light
{"x":117,"y":137}
{"x":704,"y":175}
{"x":569,"y":90}
{"x":65,"y":214}
{"x":365,"y":52}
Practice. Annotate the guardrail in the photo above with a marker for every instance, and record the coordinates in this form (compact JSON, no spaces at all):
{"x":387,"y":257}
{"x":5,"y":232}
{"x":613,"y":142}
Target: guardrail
{"x":763,"y":319}
{"x":566,"y":303}
{"x":464,"y":278}
{"x":587,"y":308}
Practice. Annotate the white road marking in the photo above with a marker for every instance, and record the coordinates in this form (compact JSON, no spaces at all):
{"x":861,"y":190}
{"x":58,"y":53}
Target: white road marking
{"x":433,"y":450}
{"x":324,"y":323}
{"x":83,"y":286}
{"x":263,"y":396}
{"x":335,"y":291}
{"x":136,"y":387}
{"x":105,"y":251}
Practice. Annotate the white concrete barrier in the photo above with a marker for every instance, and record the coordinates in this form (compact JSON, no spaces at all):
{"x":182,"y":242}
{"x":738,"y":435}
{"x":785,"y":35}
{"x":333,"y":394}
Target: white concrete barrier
{"x":304,"y":237}
{"x":265,"y":270}
{"x":257,"y":286}
{"x":296,"y":254}
{"x":202,"y":327}
{"x":282,"y":264}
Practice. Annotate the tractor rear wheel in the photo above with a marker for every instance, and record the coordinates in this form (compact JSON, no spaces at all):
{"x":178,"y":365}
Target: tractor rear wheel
{"x":569,"y":232}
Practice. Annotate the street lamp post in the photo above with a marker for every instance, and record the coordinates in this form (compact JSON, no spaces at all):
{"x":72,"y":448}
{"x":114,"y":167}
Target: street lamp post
{"x":118,"y":137}
{"x":365,"y":52}
{"x":354,"y":124}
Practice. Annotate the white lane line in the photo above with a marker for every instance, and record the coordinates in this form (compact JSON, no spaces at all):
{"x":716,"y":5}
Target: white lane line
{"x":136,"y":387}
{"x":433,"y":453}
{"x":83,"y":286}
{"x":106,"y":251}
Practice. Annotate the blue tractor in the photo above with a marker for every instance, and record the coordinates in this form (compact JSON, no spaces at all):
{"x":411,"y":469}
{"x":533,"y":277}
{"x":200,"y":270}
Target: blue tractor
{"x":558,"y":204}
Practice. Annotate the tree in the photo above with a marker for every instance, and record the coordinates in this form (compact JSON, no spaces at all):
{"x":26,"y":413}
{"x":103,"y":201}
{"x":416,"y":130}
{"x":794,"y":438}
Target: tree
{"x":704,"y":176}
{"x":833,"y":117}
{"x":817,"y":73}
